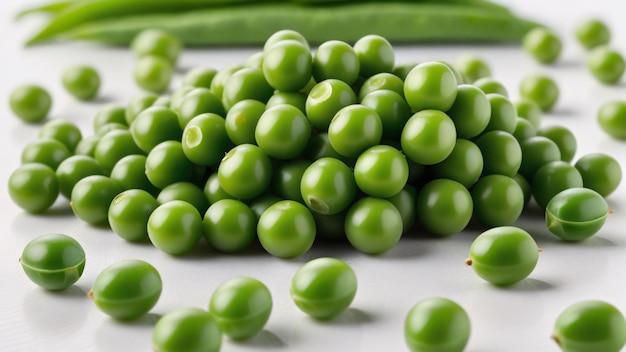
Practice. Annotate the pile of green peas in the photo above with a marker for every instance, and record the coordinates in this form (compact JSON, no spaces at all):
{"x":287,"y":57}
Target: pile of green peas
{"x":293,"y":147}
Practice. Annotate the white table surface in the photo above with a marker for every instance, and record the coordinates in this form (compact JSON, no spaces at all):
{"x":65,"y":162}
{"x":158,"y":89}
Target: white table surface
{"x":519,"y":318}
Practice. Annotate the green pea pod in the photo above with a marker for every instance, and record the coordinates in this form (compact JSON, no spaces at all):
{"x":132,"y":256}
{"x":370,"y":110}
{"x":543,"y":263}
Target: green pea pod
{"x":252,"y":25}
{"x":49,"y":8}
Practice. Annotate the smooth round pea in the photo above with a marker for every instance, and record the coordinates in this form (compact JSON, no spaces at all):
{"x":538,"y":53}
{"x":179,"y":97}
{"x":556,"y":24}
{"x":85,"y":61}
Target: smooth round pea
{"x":354,"y":129}
{"x":430,"y":85}
{"x":498,"y":200}
{"x":489,"y":85}
{"x":503,"y":255}
{"x":325,"y":99}
{"x":241,"y":121}
{"x":31,"y":103}
{"x":199,"y":77}
{"x":428,"y":137}
{"x":129,"y":212}
{"x":502,"y":153}
{"x":91,"y":198}
{"x":74,"y":169}
{"x":553,"y":178}
{"x":110,"y":113}
{"x":45,"y":151}
{"x":138,"y":104}
{"x":464,"y":164}
{"x":153,"y":73}
{"x":323,"y":288}
{"x":540,"y":89}
{"x":282,"y":132}
{"x":375,"y":55}
{"x":381,"y":171}
{"x":472,"y":67}
{"x":82,"y":82}
{"x":245,"y":172}
{"x":402,"y":70}
{"x":241,"y":306}
{"x":590,"y":325}
{"x":229,"y":225}
{"x":471,"y":111}
{"x":444,"y":207}
{"x":295,"y":99}
{"x":335,"y":59}
{"x":437,"y":324}
{"x":563,"y":138}
{"x":287,"y":178}
{"x":287,"y":65}
{"x":87,"y":146}
{"x":503,"y":114}
{"x":222,"y":76}
{"x":536,"y":152}
{"x":186,"y":191}
{"x":157,"y":42}
{"x":524,"y":129}
{"x":188,"y":330}
{"x":592,"y":32}
{"x":130,"y":172}
{"x":175,"y":227}
{"x":33,"y":187}
{"x":285,"y":34}
{"x":392,"y":109}
{"x":286,"y":229}
{"x":380,"y":81}
{"x":606,"y":64}
{"x":153,"y":126}
{"x":204,"y":140}
{"x":612,"y":118}
{"x":127,"y":289}
{"x":198,"y":101}
{"x":63,"y":131}
{"x":213,"y":190}
{"x":113,"y":146}
{"x":328,"y":186}
{"x":576,"y":214}
{"x":246,"y":83}
{"x":166,"y":164}
{"x":542,"y":44}
{"x":373,"y":225}
{"x":600,"y":172}
{"x":529,"y":110}
{"x":53,"y":261}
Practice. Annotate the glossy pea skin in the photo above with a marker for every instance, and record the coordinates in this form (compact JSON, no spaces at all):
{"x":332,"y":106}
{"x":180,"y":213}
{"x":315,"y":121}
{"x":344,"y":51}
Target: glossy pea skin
{"x":464,"y":164}
{"x":229,"y":225}
{"x":536,"y":152}
{"x":502,"y":153}
{"x":471,"y":111}
{"x":106,"y":128}
{"x":472,"y":67}
{"x":186,"y":191}
{"x":87,"y":146}
{"x":204,"y":140}
{"x":246,"y":83}
{"x":380,"y":81}
{"x":576,"y":214}
{"x":325,"y":99}
{"x":328,"y":186}
{"x":529,"y":110}
{"x":428,"y":137}
{"x":285,"y":34}
{"x":255,"y":61}
{"x":199,"y":77}
{"x":437,"y":324}
{"x":153,"y":126}
{"x":600,"y":172}
{"x":375,"y":55}
{"x":592,"y":32}
{"x":337,"y":60}
{"x":503,"y":255}
{"x":295,"y":99}
{"x":286,"y":229}
{"x":113,"y":146}
{"x":430,"y":85}
{"x":175,"y":227}
{"x":590,"y":325}
{"x":91,"y":198}
{"x":74,"y":169}
{"x":444,"y":207}
{"x":31,"y":103}
{"x":287,"y":65}
{"x":392,"y":109}
{"x":199,"y":101}
{"x":82,"y":82}
{"x":33,"y":187}
{"x":241,"y":306}
{"x":612,"y":118}
{"x":153,"y":73}
{"x":563,"y":138}
{"x":606,"y":64}
{"x":503,"y":114}
{"x":53,"y":261}
{"x":542,"y":44}
{"x":287,"y":178}
{"x":222,"y":76}
{"x":166,"y":164}
{"x":188,"y":330}
{"x":489,"y":85}
{"x":245,"y":172}
{"x":282,"y":132}
{"x":324,"y":287}
{"x":63,"y":131}
{"x":373,"y":225}
{"x":498,"y":200}
{"x":45,"y":151}
{"x":241,"y":121}
{"x":541,"y":89}
{"x":405,"y":202}
{"x":552,"y":178}
{"x":354,"y":129}
{"x":156,"y":42}
{"x":129,"y":212}
{"x":524,"y":129}
{"x":130,"y":172}
{"x":381,"y":171}
{"x":110,"y":113}
{"x":137,"y":104}
{"x":127,"y":289}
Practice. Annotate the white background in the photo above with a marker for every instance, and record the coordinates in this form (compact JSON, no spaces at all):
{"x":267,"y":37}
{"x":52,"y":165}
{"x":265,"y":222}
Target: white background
{"x":519,"y":318}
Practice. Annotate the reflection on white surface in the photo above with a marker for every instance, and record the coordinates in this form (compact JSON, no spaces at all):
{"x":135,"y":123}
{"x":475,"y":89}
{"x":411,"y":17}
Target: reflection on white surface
{"x":57,"y":314}
{"x":116,"y":336}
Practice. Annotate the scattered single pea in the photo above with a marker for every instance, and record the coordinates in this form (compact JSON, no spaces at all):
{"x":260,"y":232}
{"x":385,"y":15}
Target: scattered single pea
{"x":612,"y":118}
{"x":600,"y":172}
{"x":606,"y":64}
{"x":543,"y":44}
{"x":31,"y":103}
{"x":540,"y":89}
{"x":472,"y":67}
{"x":154,"y":42}
{"x":83,"y":82}
{"x":188,"y":330}
{"x":592,"y":33}
{"x":576,"y":214}
{"x":34,"y":187}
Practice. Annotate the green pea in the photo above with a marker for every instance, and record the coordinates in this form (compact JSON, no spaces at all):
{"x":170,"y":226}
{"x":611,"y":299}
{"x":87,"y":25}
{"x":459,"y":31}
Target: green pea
{"x":354,"y":129}
{"x":592,"y":32}
{"x":83,"y":82}
{"x":261,"y":203}
{"x":245,"y":83}
{"x":74,"y":169}
{"x":444,"y":207}
{"x":335,"y":59}
{"x":204,"y":140}
{"x":286,"y":229}
{"x":541,"y":89}
{"x":381,"y":171}
{"x":536,"y":152}
{"x":375,"y":55}
{"x":198,"y":101}
{"x":282,"y":132}
{"x":489,"y":85}
{"x":153,"y":126}
{"x":113,"y":146}
{"x":588,"y":326}
{"x":428,"y":137}
{"x":245,"y":172}
{"x":600,"y":172}
{"x":138,"y":104}
{"x":472,"y":67}
{"x":529,"y":110}
{"x":503,"y":255}
{"x":241,"y":306}
{"x":287,"y":179}
{"x":187,"y":329}
{"x":287,"y":65}
{"x":129,"y":212}
{"x":222,"y":76}
{"x":464,"y":164}
{"x":576,"y":214}
{"x":392,"y":109}
{"x":130,"y":172}
{"x":159,"y":43}
{"x":31,"y":103}
{"x":186,"y":191}
{"x":110,"y":113}
{"x":325,"y":99}
{"x":33,"y":187}
{"x":328,"y":186}
{"x":503,"y":114}
{"x":373,"y":225}
{"x":241,"y":121}
{"x":127,"y":290}
{"x":524,"y":129}
{"x":255,"y":60}
{"x":45,"y":151}
{"x":502,"y":153}
{"x":213,"y":190}
{"x":295,"y":99}
{"x":319,"y":147}
{"x":324,"y":287}
{"x":430,"y":85}
{"x":542,"y":44}
{"x":175,"y":227}
{"x":285,"y":34}
{"x":552,"y":178}
{"x":563,"y":138}
{"x":54,"y":261}
{"x":606,"y":64}
{"x":166,"y":164}
{"x":229,"y":225}
{"x":402,"y":70}
{"x":330,"y":228}
{"x":498,"y":200}
{"x":87,"y":146}
{"x":108,"y":127}
{"x":612,"y":118}
{"x":437,"y":324}
{"x":470,"y":112}
{"x":199,"y":77}
{"x":380,"y":81}
{"x":63,"y":131}
{"x":153,"y":73}
{"x":91,"y":198}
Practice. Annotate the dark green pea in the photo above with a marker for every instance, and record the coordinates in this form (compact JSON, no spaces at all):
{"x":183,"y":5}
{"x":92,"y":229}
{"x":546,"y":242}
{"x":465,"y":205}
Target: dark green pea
{"x":87,"y":146}
{"x":600,"y":172}
{"x":319,"y":147}
{"x":138,"y":104}
{"x":130,"y":172}
{"x":45,"y":151}
{"x":175,"y":227}
{"x":186,"y":191}
{"x":392,"y":109}
{"x":502,"y":153}
{"x":328,"y":186}
{"x":503,"y":114}
{"x":82,"y":82}
{"x":472,"y":67}
{"x":325,"y":100}
{"x":405,"y":202}
{"x":196,"y":102}
{"x":241,"y":121}
{"x":428,"y":137}
{"x":113,"y":146}
{"x":524,"y":129}
{"x":470,"y":112}
{"x":63,"y":131}
{"x":33,"y":187}
{"x":220,"y":79}
{"x":153,"y":73}
{"x":612,"y":118}
{"x":375,"y":55}
{"x":245,"y":172}
{"x":576,"y":214}
{"x":335,"y":59}
{"x":552,"y":178}
{"x":229,"y":225}
{"x":153,"y":126}
{"x":213,"y":190}
{"x":31,"y":103}
{"x":287,"y":178}
{"x":529,"y":110}
{"x":430,"y":85}
{"x":287,"y":65}
{"x":381,"y":81}
{"x":282,"y":132}
{"x":489,"y":85}
{"x":444,"y":207}
{"x":373,"y":225}
{"x":54,"y":261}
{"x":260,"y":204}
{"x":205,"y":141}
{"x":245,"y":83}
{"x":295,"y":99}
{"x":563,"y":138}
{"x":498,"y":200}
{"x":464,"y":164}
{"x":199,"y":77}
{"x":74,"y":169}
{"x":187,"y":329}
{"x":286,"y":229}
{"x":166,"y":164}
{"x":330,"y":228}
{"x":91,"y":198}
{"x":536,"y":152}
{"x":129,"y":212}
